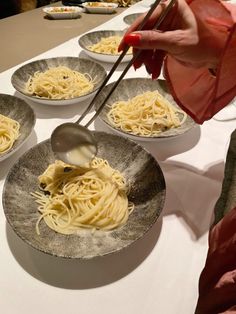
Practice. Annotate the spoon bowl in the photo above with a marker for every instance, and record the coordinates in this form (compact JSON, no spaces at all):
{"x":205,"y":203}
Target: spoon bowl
{"x":73,"y":144}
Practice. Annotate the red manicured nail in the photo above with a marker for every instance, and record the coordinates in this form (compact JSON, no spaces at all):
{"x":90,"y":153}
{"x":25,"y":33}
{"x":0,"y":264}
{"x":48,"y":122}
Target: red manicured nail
{"x":132,"y":39}
{"x":120,"y":47}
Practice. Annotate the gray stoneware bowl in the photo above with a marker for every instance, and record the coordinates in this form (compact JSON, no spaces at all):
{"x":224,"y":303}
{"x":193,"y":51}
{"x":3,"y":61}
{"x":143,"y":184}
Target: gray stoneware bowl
{"x":21,"y":76}
{"x":17,"y":109}
{"x":147,"y":192}
{"x":129,"y":88}
{"x":93,"y":38}
{"x":129,"y":19}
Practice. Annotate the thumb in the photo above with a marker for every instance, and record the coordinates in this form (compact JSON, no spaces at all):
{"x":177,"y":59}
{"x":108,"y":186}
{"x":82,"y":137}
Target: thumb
{"x":153,"y":39}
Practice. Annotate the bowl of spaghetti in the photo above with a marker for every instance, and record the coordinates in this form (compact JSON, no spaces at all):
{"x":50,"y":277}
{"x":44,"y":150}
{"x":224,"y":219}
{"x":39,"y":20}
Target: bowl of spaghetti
{"x":103,"y":45}
{"x":144,"y":110}
{"x":59,"y":81}
{"x":84,"y":212}
{"x":17,"y":120}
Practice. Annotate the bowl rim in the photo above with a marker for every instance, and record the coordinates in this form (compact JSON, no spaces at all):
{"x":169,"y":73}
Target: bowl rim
{"x":56,"y":58}
{"x":15,"y":148}
{"x":131,"y":14}
{"x":139,"y":137}
{"x":101,"y":53}
{"x":163,"y":200}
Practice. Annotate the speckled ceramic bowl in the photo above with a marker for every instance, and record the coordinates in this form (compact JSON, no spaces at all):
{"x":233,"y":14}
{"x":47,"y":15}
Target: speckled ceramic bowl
{"x":21,"y":76}
{"x":129,"y":88}
{"x":93,"y":38}
{"x":17,"y":109}
{"x":129,"y":19}
{"x":147,"y":192}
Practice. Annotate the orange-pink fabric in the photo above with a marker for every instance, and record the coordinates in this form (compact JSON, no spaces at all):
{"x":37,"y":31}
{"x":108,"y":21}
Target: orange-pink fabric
{"x":202,"y":95}
{"x":217,"y":285}
{"x":197,"y":91}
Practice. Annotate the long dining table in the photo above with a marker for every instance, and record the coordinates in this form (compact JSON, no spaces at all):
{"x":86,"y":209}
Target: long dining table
{"x":159,"y":273}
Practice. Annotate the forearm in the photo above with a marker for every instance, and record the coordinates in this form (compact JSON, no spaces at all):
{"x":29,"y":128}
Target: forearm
{"x":197,"y":91}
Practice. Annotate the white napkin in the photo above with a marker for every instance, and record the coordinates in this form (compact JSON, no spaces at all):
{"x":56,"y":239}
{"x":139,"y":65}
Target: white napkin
{"x":227,"y":113}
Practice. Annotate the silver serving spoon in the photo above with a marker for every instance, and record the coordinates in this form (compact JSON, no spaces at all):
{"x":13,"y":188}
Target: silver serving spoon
{"x":74,"y":143}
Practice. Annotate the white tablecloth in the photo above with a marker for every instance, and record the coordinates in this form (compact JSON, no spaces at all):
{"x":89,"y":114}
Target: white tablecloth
{"x":159,"y":273}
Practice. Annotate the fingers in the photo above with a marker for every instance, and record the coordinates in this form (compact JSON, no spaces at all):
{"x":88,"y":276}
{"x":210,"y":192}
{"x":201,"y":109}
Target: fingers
{"x":152,"y":60}
{"x":149,"y":24}
{"x":140,"y":60}
{"x":167,"y":41}
{"x":131,"y":29}
{"x":176,"y":35}
{"x":154,"y":64}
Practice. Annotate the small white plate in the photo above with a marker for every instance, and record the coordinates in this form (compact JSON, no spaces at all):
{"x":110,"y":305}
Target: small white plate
{"x":63,"y":12}
{"x":100,"y":7}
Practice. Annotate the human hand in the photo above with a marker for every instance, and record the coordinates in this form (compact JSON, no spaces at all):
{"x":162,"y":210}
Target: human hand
{"x":183,"y":37}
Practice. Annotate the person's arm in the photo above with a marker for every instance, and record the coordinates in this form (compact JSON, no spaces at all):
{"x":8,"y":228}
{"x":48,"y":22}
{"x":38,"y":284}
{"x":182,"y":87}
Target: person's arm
{"x":196,"y":41}
{"x":217,"y":284}
{"x":198,"y":91}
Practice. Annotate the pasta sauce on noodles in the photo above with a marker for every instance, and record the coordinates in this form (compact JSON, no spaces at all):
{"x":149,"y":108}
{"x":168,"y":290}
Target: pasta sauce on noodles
{"x":59,"y":83}
{"x":89,"y":197}
{"x":108,"y":45}
{"x":147,"y":114}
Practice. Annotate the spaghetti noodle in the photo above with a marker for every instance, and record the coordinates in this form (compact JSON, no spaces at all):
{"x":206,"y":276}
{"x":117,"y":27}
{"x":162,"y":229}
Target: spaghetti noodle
{"x":91,"y":197}
{"x":147,"y":114}
{"x":108,"y":45}
{"x":9,"y":132}
{"x":59,"y":83}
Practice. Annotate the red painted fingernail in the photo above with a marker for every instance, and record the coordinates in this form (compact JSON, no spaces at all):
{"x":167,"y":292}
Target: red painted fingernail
{"x":132,"y":39}
{"x":120,"y":47}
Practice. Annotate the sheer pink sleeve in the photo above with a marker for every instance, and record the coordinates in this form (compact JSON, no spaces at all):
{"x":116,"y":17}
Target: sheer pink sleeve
{"x":197,"y":91}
